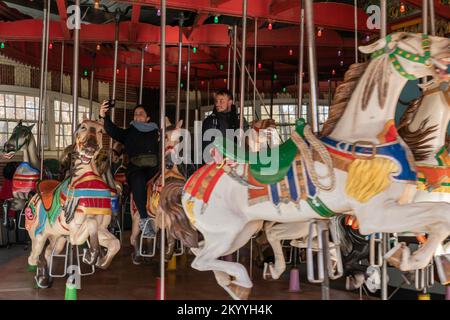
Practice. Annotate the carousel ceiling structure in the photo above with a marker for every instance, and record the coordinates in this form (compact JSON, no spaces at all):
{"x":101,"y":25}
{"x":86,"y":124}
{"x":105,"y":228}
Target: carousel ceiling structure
{"x":206,"y":26}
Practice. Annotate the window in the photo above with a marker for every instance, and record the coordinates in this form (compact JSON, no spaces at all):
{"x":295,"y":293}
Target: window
{"x":18,"y":107}
{"x":63,"y":122}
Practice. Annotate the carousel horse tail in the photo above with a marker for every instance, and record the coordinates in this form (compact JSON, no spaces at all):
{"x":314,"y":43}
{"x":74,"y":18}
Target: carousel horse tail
{"x":176,"y":222}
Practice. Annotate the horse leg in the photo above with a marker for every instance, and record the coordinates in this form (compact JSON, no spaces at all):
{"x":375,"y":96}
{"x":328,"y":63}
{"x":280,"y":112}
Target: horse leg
{"x":109,"y":241}
{"x":216,"y":246}
{"x":42,"y":274}
{"x":390,"y":217}
{"x":85,"y":228}
{"x":170,"y":248}
{"x":283,"y":231}
{"x":56,"y":243}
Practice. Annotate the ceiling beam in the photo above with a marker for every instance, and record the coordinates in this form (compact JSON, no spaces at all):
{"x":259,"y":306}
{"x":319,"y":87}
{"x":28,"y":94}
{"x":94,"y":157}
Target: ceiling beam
{"x":135,"y":14}
{"x":441,"y":9}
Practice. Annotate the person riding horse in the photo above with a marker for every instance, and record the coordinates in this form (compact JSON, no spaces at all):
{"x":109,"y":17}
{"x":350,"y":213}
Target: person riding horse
{"x":142,"y":147}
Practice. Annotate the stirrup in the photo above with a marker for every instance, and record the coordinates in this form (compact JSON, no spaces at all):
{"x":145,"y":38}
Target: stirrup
{"x":152,"y":238}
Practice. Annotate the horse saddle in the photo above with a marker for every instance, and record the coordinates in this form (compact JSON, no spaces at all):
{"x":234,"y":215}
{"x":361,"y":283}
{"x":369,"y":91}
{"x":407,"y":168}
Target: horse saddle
{"x":267,"y":167}
{"x":46,"y":189}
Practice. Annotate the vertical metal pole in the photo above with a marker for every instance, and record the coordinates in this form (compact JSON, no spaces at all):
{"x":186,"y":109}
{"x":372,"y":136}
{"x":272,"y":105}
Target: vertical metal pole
{"x":180,"y":51}
{"x":229,"y":67}
{"x":61,"y":75}
{"x":384,"y":283}
{"x":125,"y":97}
{"x":116,"y":51}
{"x":384,"y":286}
{"x":208,"y":93}
{"x":309,"y":11}
{"x":196,"y":95}
{"x":326,"y":281}
{"x":271,"y":90}
{"x":244,"y":49}
{"x":301,"y":60}
{"x":43,"y":103}
{"x":383,"y":29}
{"x":356,"y":31}
{"x":162,"y":106}
{"x":141,"y":80}
{"x":432,"y":18}
{"x":188,"y":87}
{"x":425,"y":16}
{"x":255,"y":63}
{"x":234,"y":62}
{"x":44,"y":49}
{"x":75,"y":75}
{"x":91,"y":88}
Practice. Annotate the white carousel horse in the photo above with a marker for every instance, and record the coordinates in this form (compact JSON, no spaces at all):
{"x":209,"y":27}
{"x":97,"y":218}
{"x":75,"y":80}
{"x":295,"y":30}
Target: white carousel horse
{"x":372,"y":177}
{"x":78,"y":207}
{"x":424,"y":129}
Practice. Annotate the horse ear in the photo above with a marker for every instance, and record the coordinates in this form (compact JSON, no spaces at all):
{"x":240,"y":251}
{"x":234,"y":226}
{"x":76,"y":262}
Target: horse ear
{"x":179,"y":124}
{"x":377,"y":45}
{"x":19,"y":123}
{"x":168,"y":123}
{"x":31,"y":127}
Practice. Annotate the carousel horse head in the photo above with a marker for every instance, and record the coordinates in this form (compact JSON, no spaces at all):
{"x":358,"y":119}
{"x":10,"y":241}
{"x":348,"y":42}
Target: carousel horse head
{"x":19,"y":138}
{"x":264,"y":134}
{"x":172,"y":139}
{"x":88,"y":140}
{"x":413,"y":55}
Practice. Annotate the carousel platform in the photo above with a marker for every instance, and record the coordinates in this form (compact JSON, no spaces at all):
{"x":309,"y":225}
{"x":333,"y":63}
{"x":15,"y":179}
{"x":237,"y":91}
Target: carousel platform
{"x":125,"y":281}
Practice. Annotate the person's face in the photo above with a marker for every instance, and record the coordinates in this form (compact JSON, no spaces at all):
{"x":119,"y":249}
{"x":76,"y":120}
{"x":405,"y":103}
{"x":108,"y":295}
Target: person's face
{"x":223,"y":103}
{"x":140,"y":115}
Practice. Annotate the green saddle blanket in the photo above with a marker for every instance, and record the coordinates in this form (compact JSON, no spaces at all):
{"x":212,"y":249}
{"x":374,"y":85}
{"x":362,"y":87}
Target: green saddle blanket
{"x":267,"y":167}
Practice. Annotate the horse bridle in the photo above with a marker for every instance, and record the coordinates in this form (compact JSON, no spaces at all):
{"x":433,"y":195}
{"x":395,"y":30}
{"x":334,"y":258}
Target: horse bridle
{"x":417,"y":58}
{"x":27,"y":139}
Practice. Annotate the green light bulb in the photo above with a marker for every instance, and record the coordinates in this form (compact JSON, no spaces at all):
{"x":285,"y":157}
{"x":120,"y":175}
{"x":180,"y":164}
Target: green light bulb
{"x":194,"y":49}
{"x":2,"y":45}
{"x":216,"y":19}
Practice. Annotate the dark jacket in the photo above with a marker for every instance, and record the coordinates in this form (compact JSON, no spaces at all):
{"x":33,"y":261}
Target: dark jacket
{"x":134,"y":141}
{"x":221,"y":121}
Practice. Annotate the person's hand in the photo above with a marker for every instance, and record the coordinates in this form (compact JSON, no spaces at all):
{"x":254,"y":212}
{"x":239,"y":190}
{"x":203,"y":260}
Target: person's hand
{"x":104,"y":108}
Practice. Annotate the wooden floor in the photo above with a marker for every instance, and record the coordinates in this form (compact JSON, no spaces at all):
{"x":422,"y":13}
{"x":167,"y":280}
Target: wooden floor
{"x":127,"y":281}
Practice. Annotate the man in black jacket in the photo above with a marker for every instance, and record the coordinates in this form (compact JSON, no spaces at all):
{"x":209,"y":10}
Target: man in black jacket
{"x":223,"y":117}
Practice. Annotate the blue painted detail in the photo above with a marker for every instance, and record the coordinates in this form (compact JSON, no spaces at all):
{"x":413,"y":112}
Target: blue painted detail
{"x":394,"y":151}
{"x":27,"y":166}
{"x":311,"y":188}
{"x":92,"y":193}
{"x":274,"y":194}
{"x":42,"y":219}
{"x":292,"y":186}
{"x":115,"y":204}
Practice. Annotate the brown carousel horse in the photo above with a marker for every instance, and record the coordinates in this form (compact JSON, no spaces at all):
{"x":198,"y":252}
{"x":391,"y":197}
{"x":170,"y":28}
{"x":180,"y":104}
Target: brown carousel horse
{"x":86,"y":202}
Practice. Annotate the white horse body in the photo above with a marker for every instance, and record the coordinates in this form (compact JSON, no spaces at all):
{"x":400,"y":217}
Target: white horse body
{"x":228,"y":222}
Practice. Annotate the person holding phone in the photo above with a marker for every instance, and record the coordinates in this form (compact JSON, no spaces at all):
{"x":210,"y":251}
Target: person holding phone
{"x":141,"y":143}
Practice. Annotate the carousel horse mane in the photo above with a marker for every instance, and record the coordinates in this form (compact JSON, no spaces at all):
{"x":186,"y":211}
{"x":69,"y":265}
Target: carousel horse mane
{"x":342,"y":96}
{"x":416,"y":140}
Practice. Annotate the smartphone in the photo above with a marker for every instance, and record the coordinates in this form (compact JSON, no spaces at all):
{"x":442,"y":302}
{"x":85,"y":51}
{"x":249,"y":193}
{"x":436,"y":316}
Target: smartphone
{"x":111,"y":103}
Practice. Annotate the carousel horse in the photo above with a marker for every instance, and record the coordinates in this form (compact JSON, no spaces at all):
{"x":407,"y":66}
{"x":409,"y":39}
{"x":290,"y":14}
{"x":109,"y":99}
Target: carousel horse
{"x":361,"y":166}
{"x":424,"y":129}
{"x":163,"y":199}
{"x":78,"y":207}
{"x":27,"y":173}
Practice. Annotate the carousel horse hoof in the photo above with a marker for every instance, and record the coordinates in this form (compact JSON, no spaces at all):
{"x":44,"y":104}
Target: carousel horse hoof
{"x":273,"y":274}
{"x":267,"y":275}
{"x":394,"y":256}
{"x":42,"y":281}
{"x":90,"y":256}
{"x":102,"y":263}
{"x":238,"y":292}
{"x":136,"y":259}
{"x":354,"y":282}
